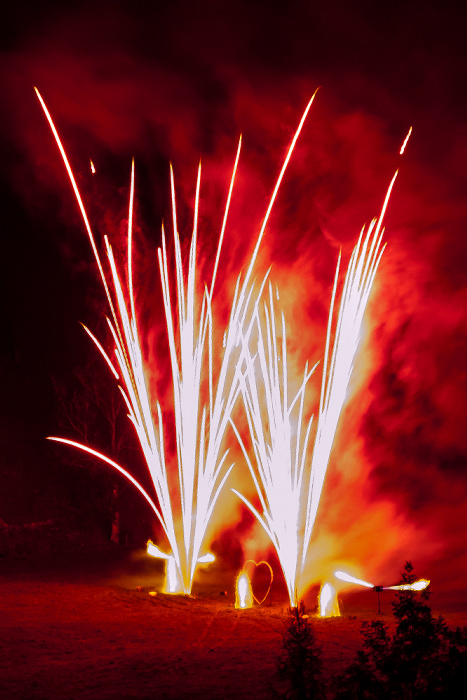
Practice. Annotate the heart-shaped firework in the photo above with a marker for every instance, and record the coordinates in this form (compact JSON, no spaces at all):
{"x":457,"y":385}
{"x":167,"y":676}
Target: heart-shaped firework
{"x":253,"y":569}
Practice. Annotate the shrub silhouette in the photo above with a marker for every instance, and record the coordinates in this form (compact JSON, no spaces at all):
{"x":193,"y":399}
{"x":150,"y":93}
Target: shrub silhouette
{"x":299,"y":665}
{"x":422,"y":659}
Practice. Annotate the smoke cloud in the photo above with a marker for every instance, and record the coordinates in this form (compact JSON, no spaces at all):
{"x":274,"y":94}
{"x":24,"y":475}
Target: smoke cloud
{"x":179,"y":83}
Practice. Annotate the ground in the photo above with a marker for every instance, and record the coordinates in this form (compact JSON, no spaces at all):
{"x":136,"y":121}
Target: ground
{"x":85,"y":626}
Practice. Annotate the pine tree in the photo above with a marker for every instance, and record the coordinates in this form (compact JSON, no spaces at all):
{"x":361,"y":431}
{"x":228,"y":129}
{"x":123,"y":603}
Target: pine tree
{"x":299,"y":664}
{"x":422,"y":659}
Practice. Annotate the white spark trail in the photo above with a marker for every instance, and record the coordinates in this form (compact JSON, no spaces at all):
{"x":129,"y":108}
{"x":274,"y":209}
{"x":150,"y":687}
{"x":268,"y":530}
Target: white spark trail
{"x":200,"y":426}
{"x":288,"y":485}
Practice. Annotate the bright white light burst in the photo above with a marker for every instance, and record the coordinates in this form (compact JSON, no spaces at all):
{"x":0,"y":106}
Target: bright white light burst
{"x":200,"y":423}
{"x":288,"y":483}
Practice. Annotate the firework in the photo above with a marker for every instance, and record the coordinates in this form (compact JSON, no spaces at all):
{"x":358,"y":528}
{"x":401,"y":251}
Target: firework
{"x":328,"y":603}
{"x":419,"y":585}
{"x":288,"y":484}
{"x":200,"y":427}
{"x":243,"y":594}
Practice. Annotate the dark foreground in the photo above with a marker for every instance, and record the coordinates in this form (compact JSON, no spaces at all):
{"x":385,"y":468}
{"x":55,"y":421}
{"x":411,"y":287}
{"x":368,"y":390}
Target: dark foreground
{"x":80,"y":628}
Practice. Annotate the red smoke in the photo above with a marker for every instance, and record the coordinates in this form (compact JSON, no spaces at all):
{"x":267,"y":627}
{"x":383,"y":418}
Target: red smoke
{"x":396,"y":485}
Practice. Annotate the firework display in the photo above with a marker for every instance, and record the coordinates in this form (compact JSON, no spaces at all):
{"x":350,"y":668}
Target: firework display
{"x":200,"y":427}
{"x":288,"y":483}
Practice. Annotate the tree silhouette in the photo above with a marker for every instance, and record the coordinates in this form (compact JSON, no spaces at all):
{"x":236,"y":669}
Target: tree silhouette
{"x":422,"y":659}
{"x":299,"y":664}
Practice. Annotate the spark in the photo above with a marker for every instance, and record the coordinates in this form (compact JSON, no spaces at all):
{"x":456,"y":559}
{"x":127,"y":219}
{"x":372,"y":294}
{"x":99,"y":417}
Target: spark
{"x":282,"y":473}
{"x":200,"y":428}
{"x":102,"y":351}
{"x":113,"y":464}
{"x":405,"y":141}
{"x":93,"y":167}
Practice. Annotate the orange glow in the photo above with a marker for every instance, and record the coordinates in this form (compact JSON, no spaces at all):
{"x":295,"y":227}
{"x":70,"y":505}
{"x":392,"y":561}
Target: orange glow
{"x":102,"y":351}
{"x":243,"y":593}
{"x":328,"y":603}
{"x":172,"y":582}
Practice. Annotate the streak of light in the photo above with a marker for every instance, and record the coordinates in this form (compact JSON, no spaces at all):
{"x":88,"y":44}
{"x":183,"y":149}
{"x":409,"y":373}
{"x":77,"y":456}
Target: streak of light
{"x":200,"y":428}
{"x":405,"y":141}
{"x":102,"y":351}
{"x":113,"y":464}
{"x":343,"y":576}
{"x":416,"y":586}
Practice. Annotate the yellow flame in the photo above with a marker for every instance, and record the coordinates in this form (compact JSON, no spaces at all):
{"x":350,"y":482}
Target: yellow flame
{"x":328,"y":603}
{"x":243,"y":593}
{"x":416,"y":586}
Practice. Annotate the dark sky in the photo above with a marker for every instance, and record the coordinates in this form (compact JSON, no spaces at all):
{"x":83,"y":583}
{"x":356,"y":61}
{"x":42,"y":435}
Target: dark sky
{"x":182,"y":80}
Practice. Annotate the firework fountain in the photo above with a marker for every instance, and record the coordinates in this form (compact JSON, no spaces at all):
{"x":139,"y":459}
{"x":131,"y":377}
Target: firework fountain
{"x":288,"y":484}
{"x":199,"y":425}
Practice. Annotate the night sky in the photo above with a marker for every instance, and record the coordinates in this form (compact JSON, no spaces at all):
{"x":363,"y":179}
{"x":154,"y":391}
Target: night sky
{"x":181,"y":81}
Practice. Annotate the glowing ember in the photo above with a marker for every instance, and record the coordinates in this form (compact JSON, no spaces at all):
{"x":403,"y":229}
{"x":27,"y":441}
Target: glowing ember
{"x":200,"y":427}
{"x":288,"y":486}
{"x":328,"y":603}
{"x":243,"y":593}
{"x":93,"y":167}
